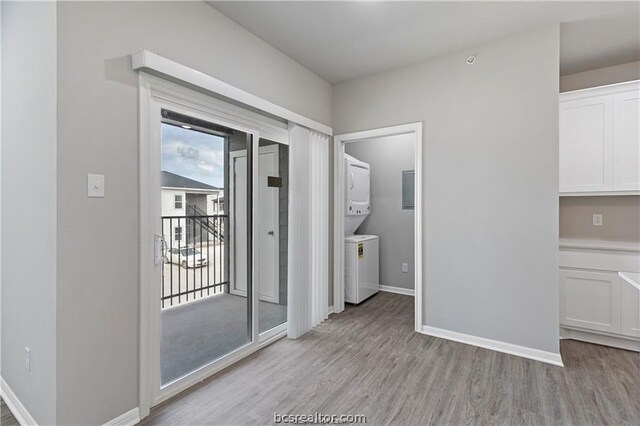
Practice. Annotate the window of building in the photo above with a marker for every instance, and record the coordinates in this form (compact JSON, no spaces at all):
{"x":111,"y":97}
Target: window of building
{"x":177,"y":233}
{"x":177,"y":201}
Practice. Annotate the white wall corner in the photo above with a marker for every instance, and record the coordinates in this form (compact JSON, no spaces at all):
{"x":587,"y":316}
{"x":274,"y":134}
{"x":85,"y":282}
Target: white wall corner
{"x":129,"y":418}
{"x":19,"y":411}
{"x":495,"y":345}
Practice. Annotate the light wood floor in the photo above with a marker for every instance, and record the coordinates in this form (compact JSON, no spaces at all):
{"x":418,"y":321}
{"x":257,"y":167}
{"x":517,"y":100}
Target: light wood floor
{"x":367,"y":360}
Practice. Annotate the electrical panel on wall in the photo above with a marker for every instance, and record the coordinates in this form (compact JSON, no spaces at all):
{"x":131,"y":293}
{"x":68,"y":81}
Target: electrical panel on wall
{"x":408,"y":189}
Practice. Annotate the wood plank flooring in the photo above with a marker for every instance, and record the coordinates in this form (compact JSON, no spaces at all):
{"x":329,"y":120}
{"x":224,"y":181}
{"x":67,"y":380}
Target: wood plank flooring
{"x":368,"y":360}
{"x":6,"y":417}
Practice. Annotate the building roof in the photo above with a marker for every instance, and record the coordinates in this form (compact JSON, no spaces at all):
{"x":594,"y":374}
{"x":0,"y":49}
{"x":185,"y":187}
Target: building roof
{"x":172,"y":180}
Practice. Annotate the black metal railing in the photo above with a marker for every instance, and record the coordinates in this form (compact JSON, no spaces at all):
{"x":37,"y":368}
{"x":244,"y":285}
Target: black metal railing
{"x":207,"y":222}
{"x":195,"y":257}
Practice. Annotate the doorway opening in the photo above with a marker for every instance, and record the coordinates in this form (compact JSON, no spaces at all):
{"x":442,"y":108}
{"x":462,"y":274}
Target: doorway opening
{"x":377,"y":215}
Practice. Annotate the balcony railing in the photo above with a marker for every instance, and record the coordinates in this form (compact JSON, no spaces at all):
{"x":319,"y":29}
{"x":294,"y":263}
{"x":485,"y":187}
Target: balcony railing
{"x":195,"y":257}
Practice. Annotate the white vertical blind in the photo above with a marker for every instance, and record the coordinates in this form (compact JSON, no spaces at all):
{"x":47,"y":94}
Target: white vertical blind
{"x":319,"y":241}
{"x":308,"y":230}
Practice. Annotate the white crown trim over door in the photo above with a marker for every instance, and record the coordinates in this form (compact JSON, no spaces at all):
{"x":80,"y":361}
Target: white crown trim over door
{"x":149,"y":61}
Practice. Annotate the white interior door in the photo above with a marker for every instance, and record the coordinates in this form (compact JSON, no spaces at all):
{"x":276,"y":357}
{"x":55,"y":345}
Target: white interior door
{"x":268,"y":223}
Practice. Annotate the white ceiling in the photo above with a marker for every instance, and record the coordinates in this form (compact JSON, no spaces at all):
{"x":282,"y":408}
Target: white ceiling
{"x":343,"y":40}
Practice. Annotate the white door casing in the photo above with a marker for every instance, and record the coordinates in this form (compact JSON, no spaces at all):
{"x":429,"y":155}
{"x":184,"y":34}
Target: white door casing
{"x":339,"y":206}
{"x":268,"y":223}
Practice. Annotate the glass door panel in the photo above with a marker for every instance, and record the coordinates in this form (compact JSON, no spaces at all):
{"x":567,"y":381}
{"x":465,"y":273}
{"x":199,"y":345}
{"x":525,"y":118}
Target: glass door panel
{"x":206,"y":225}
{"x":273,"y":196}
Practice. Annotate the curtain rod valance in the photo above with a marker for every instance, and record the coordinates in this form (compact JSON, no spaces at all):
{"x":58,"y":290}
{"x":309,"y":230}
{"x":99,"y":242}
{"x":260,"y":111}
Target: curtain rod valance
{"x":146,"y":60}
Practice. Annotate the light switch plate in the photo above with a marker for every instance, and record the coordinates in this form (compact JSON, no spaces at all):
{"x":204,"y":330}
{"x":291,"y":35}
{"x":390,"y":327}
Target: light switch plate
{"x":405,"y":267}
{"x":95,"y":186}
{"x":597,"y":219}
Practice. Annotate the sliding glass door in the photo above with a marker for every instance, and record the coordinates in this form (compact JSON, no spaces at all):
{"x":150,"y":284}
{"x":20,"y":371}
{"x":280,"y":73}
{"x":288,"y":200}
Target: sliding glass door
{"x":214,"y":235}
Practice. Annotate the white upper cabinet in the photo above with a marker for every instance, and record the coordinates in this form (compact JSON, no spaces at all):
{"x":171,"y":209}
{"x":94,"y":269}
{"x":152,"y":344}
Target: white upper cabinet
{"x":586,"y":144}
{"x":626,"y":141}
{"x":600,"y":140}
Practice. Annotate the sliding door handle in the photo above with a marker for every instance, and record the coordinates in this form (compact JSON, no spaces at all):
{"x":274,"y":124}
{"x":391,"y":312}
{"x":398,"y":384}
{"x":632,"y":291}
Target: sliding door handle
{"x":159,"y":247}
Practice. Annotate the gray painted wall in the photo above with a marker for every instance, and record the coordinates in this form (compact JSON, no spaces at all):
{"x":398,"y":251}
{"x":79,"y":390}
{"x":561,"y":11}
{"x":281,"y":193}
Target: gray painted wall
{"x":388,"y":157}
{"x":620,"y":214}
{"x":490,"y":184}
{"x":29,"y":204}
{"x":97,"y":133}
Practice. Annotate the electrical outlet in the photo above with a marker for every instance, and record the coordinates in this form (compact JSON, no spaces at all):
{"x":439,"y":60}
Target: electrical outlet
{"x":27,"y":358}
{"x":597,"y":219}
{"x":405,"y":267}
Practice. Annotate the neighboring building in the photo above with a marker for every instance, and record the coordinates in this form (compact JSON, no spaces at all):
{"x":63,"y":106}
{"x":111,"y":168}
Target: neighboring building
{"x":183,"y":197}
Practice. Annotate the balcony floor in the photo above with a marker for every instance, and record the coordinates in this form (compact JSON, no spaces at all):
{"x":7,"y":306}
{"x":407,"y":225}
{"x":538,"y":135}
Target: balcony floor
{"x":197,"y":333}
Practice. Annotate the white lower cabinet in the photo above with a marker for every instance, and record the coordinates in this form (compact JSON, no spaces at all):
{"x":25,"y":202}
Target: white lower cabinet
{"x":597,"y":305}
{"x":630,"y":312}
{"x":590,"y":300}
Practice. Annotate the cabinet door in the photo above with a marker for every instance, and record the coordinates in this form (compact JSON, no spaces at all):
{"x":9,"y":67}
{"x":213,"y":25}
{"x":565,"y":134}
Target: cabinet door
{"x":626,"y":141}
{"x":586,"y":144}
{"x":630,"y":321}
{"x":590,"y":300}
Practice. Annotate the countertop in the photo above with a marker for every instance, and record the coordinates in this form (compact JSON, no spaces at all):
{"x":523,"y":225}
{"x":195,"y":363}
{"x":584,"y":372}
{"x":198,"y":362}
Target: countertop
{"x":567,"y":243}
{"x":632,"y":278}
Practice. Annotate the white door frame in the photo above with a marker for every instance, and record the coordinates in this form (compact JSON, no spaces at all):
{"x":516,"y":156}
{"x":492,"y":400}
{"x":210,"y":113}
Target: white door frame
{"x":154,"y":94}
{"x":274,"y":149}
{"x":338,"y":213}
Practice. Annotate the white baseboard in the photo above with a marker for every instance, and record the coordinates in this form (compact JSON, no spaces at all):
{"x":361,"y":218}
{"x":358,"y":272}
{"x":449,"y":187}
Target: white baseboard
{"x":629,"y":344}
{"x":18,"y":410}
{"x":129,"y":418}
{"x":495,"y":345}
{"x":398,"y":290}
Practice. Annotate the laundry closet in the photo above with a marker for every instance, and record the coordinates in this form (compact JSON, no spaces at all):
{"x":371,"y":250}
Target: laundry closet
{"x":378,"y":217}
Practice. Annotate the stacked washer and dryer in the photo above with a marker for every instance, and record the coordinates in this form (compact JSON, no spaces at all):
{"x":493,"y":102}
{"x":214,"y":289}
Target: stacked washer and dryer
{"x":362,"y":274}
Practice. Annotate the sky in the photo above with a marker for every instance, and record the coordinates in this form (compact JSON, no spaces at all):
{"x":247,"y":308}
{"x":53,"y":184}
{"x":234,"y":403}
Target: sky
{"x":192,"y":154}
